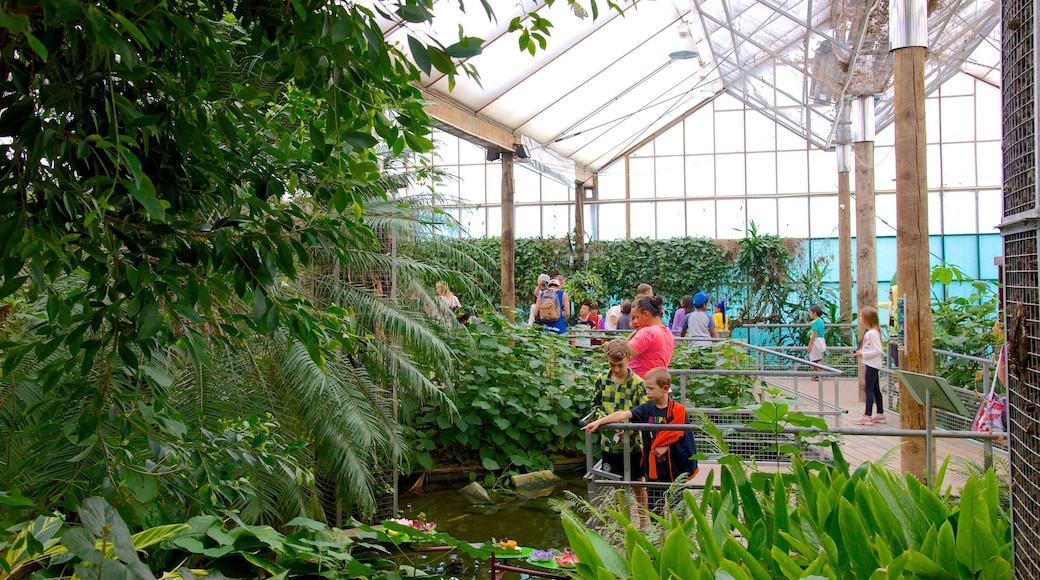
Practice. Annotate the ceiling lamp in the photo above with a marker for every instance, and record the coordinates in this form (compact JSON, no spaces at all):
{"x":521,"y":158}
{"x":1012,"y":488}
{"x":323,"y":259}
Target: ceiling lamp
{"x":685,"y":47}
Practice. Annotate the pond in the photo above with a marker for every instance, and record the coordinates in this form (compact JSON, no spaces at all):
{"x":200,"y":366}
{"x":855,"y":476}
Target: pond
{"x":531,"y":522}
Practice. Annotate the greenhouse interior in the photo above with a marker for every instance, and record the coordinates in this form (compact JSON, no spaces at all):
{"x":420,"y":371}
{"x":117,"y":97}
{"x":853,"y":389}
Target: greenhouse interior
{"x":386,"y":288}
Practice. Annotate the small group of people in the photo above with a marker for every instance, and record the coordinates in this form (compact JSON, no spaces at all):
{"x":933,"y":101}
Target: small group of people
{"x":692,"y":319}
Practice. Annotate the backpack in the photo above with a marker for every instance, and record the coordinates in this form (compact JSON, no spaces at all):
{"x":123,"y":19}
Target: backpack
{"x":549,"y":309}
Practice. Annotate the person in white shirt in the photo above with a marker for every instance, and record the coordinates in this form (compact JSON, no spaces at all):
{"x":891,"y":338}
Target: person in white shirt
{"x":870,"y":351}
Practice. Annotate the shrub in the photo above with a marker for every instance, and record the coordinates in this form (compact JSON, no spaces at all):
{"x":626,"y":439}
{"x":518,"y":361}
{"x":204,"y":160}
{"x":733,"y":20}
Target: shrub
{"x":520,"y":393}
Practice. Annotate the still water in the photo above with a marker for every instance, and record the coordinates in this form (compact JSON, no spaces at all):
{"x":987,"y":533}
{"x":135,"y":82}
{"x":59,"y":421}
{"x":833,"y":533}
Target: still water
{"x":531,"y":522}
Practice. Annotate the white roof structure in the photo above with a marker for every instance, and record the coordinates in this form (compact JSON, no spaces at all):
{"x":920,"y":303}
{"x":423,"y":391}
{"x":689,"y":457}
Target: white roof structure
{"x":604,"y":86}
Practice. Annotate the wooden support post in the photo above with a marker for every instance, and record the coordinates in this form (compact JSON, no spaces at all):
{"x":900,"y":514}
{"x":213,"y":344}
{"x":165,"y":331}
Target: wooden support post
{"x":579,"y":223}
{"x":844,"y":250}
{"x":912,"y":258}
{"x":508,"y":237}
{"x":866,"y":239}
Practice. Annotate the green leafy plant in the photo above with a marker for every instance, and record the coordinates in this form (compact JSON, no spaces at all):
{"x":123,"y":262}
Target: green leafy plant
{"x":520,"y":392}
{"x":716,"y":390}
{"x":964,"y":325}
{"x":817,"y":521}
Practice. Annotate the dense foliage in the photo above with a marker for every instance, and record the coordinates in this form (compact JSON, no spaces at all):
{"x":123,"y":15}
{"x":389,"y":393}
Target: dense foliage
{"x":198,"y":229}
{"x":816,"y":521}
{"x":519,"y":394}
{"x":965,"y":325}
{"x":715,"y":391}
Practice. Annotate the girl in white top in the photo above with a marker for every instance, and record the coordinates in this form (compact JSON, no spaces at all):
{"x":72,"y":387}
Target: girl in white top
{"x":870,"y":352}
{"x":450,"y":300}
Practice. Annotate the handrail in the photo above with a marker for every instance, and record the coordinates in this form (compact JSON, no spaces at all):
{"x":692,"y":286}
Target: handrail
{"x":986,"y":437}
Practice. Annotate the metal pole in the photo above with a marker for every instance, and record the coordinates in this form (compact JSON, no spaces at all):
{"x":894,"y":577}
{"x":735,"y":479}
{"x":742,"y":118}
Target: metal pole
{"x":928,"y":452}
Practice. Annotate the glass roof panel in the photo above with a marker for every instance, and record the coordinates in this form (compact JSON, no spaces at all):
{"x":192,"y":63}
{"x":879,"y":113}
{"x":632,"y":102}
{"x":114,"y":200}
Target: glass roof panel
{"x":602,"y":87}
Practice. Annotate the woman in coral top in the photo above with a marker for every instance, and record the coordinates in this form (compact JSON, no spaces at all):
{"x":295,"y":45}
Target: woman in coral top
{"x":652,"y":343}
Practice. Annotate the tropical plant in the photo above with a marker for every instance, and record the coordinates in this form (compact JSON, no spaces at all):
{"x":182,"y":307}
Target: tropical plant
{"x":716,"y":390}
{"x":965,"y":325}
{"x":519,"y":395}
{"x":584,"y":286}
{"x":762,"y":265}
{"x":817,"y":521}
{"x":100,"y":546}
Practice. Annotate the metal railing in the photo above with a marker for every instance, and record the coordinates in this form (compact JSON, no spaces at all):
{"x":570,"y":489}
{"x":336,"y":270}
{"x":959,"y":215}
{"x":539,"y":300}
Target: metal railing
{"x":840,"y":357}
{"x":598,"y":477}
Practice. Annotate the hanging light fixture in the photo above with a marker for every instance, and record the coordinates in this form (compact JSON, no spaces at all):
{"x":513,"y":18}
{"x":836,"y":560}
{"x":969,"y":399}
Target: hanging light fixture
{"x":685,"y":47}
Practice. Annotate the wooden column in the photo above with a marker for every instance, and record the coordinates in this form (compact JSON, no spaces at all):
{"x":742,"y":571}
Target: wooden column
{"x":508,"y":237}
{"x":844,"y":249}
{"x":912,"y":263}
{"x":866,"y":235}
{"x":579,"y":223}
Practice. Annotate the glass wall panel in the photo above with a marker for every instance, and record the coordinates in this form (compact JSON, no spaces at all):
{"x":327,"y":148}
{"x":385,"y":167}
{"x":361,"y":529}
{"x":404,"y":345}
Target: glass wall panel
{"x":453,"y":217}
{"x":528,"y":186}
{"x":643,"y":220}
{"x":553,"y":190}
{"x":729,"y":136}
{"x":556,"y":221}
{"x":885,"y":210}
{"x":471,"y":154}
{"x":471,"y":188}
{"x":935,"y":165}
{"x":761,"y":173}
{"x":959,"y":165}
{"x":990,"y":247}
{"x":823,"y":171}
{"x":886,"y":259}
{"x":787,"y":140}
{"x":988,"y":160}
{"x":670,"y":142}
{"x":448,"y":185}
{"x":700,"y":131}
{"x":494,"y":221}
{"x":761,"y":132}
{"x":884,"y":169}
{"x":794,"y":217}
{"x":959,"y":216}
{"x":792,"y":172}
{"x":763,"y":213}
{"x":732,"y":219}
{"x":474,"y":222}
{"x":729,"y":175}
{"x":611,"y":181}
{"x":527,"y":222}
{"x":641,"y":178}
{"x":611,"y":220}
{"x":447,"y":151}
{"x":700,"y":176}
{"x":935,"y":251}
{"x":931,"y":118}
{"x":963,"y":252}
{"x":671,"y":223}
{"x":670,"y":177}
{"x":990,"y":210}
{"x":987,"y":112}
{"x":935,"y":213}
{"x":700,"y":218}
{"x":493,"y":173}
{"x":960,"y":84}
{"x":823,"y":216}
{"x":958,"y":119}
